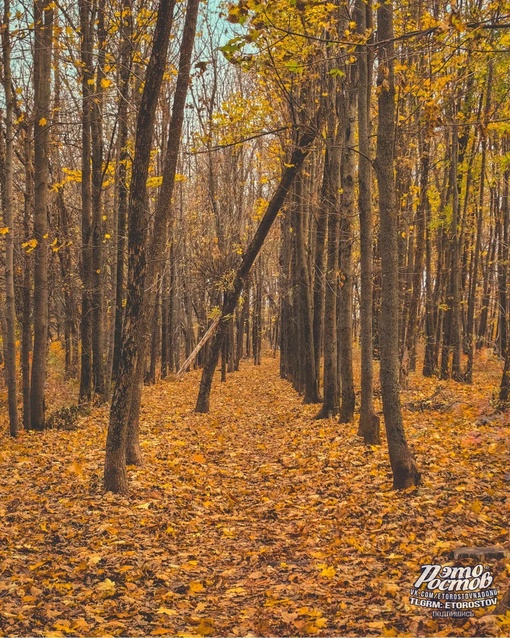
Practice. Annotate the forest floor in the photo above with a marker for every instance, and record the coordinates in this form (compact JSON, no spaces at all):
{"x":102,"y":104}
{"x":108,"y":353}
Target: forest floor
{"x":254,"y":519}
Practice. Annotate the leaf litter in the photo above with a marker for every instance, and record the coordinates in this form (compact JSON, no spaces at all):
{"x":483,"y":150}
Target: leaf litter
{"x":254,"y":519}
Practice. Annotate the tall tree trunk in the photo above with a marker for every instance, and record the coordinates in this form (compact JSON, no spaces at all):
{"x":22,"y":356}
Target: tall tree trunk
{"x":26,"y":327}
{"x":369,"y":425}
{"x":96,"y":130}
{"x":305,"y":296}
{"x":330,"y":203}
{"x":115,"y":477}
{"x":347,"y":170}
{"x":404,"y":469}
{"x":121,"y":183}
{"x":470,"y":337}
{"x":503,"y":268}
{"x":417,"y":273}
{"x":157,"y":244}
{"x":43,"y":29}
{"x":318,"y":283}
{"x":86,"y":379}
{"x":8,"y":205}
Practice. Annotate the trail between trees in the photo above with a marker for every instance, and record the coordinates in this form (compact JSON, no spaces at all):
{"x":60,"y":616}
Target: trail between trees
{"x":252,"y":519}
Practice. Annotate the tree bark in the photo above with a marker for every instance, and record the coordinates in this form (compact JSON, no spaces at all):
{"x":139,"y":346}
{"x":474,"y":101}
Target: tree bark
{"x":369,"y":425}
{"x":115,"y":476}
{"x":97,"y":282}
{"x":330,"y":203}
{"x":405,"y":473}
{"x":122,"y":184}
{"x":43,"y":20}
{"x":344,"y":319}
{"x":86,"y":379}
{"x":8,"y":202}
{"x":158,"y":243}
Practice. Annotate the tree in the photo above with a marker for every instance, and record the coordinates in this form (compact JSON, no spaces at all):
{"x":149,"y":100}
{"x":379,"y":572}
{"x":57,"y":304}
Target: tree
{"x":8,"y":205}
{"x":405,"y":472}
{"x":115,"y":477}
{"x":43,"y":30}
{"x":368,"y":426}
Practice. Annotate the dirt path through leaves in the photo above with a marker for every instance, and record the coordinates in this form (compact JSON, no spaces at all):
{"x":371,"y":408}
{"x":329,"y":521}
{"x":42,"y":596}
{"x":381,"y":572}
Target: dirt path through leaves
{"x":254,"y":519}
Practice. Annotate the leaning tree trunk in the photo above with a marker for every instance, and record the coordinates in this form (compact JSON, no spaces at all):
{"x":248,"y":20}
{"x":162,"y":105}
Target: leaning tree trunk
{"x":43,"y":20}
{"x":232,"y":296}
{"x":405,"y":473}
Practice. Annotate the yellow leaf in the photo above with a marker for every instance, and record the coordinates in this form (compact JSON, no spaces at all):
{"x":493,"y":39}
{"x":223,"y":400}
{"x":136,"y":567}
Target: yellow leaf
{"x":43,"y":121}
{"x":105,"y":83}
{"x":234,"y":591}
{"x":328,"y":572}
{"x":107,"y":587}
{"x":205,"y":627}
{"x":154,"y":182}
{"x":195,"y":587}
{"x":4,"y":230}
{"x":167,"y":611}
{"x":180,"y":178}
{"x":476,"y":506}
{"x":198,"y":458}
{"x":107,"y":236}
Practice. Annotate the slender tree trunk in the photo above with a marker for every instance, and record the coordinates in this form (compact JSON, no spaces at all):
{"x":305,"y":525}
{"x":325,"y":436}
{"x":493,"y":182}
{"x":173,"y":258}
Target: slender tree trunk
{"x":470,"y":337}
{"x":311,"y":389}
{"x":369,"y":426}
{"x":96,"y":130}
{"x":417,"y":273}
{"x":503,"y":269}
{"x":403,"y":465}
{"x":43,"y":20}
{"x":26,"y":327}
{"x":157,"y":244}
{"x":8,"y":205}
{"x":345,"y":331}
{"x":330,"y":203}
{"x":115,"y":477}
{"x":318,"y":283}
{"x":86,"y":379}
{"x":122,"y":184}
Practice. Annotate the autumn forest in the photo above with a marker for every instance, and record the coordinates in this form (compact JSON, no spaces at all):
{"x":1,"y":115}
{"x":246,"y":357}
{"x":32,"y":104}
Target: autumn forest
{"x":255,"y":318}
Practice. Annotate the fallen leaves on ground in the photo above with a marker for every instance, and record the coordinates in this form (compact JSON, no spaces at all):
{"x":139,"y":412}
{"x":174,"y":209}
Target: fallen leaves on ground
{"x":253,"y":519}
